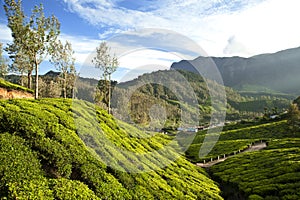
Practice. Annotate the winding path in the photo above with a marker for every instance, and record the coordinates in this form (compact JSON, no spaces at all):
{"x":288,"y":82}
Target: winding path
{"x":254,"y":147}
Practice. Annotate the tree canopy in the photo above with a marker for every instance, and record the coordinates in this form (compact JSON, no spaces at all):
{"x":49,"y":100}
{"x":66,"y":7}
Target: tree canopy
{"x":108,"y":64}
{"x":32,"y":36}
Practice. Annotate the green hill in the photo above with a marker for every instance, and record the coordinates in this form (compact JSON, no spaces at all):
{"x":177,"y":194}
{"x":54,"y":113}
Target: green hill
{"x":12,"y":86}
{"x":173,"y":89}
{"x":43,"y":157}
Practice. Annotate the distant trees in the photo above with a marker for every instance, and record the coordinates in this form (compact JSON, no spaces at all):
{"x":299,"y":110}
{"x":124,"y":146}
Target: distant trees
{"x":108,"y":64}
{"x":62,"y":58}
{"x":294,"y":117}
{"x":3,"y":63}
{"x":31,"y":38}
{"x":49,"y":87}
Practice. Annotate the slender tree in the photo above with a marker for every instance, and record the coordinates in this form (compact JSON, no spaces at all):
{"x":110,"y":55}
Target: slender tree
{"x":22,"y":64}
{"x":31,"y":37}
{"x":16,"y":22}
{"x":62,"y":58}
{"x":108,"y":64}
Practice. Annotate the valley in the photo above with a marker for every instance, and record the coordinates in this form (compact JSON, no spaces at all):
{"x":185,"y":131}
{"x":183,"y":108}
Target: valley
{"x":76,"y":147}
{"x":185,"y":125}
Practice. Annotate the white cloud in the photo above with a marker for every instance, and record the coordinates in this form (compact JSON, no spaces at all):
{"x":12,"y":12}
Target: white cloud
{"x":82,"y":46}
{"x":136,"y":59}
{"x":234,"y":46}
{"x":5,"y":34}
{"x":221,"y":28}
{"x":260,"y":25}
{"x":143,"y":57}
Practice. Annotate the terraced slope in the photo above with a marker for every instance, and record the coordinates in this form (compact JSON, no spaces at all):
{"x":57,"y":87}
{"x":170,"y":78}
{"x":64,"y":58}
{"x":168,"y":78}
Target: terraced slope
{"x":9,"y":90}
{"x":238,"y":139}
{"x":273,"y":173}
{"x":42,"y":157}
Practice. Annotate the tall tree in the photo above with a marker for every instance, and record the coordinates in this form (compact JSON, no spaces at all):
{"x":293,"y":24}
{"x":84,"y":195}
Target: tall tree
{"x":107,"y":63}
{"x":32,"y":37}
{"x":62,"y":58}
{"x":294,"y":117}
{"x":3,"y":63}
{"x":23,"y":65}
{"x":16,"y":22}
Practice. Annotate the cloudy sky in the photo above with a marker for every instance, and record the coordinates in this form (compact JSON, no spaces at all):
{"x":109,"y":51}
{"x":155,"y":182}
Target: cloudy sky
{"x":148,"y":35}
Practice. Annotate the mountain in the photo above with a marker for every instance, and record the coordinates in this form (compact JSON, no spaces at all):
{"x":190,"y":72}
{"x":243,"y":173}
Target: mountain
{"x":272,"y":73}
{"x":180,"y":90}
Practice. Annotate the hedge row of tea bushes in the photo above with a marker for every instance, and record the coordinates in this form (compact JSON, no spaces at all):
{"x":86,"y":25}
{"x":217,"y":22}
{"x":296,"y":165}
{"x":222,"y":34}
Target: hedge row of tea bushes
{"x":233,"y":140}
{"x":11,"y":86}
{"x":273,"y":173}
{"x":43,"y":157}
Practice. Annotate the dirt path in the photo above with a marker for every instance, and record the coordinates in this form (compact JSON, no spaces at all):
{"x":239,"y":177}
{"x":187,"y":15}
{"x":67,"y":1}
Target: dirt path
{"x":254,"y":147}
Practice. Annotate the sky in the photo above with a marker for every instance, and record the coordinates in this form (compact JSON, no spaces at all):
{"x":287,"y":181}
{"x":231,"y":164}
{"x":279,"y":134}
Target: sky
{"x":149,"y":35}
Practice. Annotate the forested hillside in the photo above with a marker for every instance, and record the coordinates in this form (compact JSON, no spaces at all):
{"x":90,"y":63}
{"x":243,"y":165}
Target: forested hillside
{"x":238,"y":106}
{"x":42,"y":156}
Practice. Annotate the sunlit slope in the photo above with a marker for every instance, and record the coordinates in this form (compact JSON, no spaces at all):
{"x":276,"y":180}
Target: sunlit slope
{"x":273,"y":173}
{"x":43,"y":157}
{"x":238,"y":138}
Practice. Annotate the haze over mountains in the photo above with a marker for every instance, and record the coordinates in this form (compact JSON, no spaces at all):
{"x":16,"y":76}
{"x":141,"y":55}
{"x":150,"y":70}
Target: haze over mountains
{"x":277,"y":72}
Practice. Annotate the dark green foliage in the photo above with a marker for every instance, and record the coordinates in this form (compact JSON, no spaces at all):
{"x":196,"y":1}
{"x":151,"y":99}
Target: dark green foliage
{"x":297,"y":101}
{"x":293,"y":116}
{"x":258,"y":104}
{"x":42,"y":157}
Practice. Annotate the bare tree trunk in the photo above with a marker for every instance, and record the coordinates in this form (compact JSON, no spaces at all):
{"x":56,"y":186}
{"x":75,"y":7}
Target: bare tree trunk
{"x":29,"y":78}
{"x":73,"y":86}
{"x":65,"y":86}
{"x":109,"y":91}
{"x":36,"y":91}
{"x":22,"y":81}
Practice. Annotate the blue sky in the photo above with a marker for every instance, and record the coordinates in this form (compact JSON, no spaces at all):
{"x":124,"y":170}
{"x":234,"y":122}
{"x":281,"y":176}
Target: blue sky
{"x":149,"y":35}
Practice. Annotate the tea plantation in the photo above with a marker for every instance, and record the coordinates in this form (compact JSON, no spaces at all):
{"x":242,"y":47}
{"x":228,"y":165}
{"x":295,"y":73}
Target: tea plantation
{"x":11,"y":86}
{"x":233,"y":140}
{"x":43,"y":157}
{"x":273,"y":173}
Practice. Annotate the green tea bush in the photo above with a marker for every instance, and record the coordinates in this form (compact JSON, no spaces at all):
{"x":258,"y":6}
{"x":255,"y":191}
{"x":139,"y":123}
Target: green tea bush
{"x":273,"y":173}
{"x":43,"y":157}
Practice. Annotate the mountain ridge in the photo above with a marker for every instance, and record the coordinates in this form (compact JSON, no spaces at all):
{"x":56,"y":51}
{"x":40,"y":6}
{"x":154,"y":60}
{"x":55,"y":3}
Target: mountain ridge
{"x":276,"y":71}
